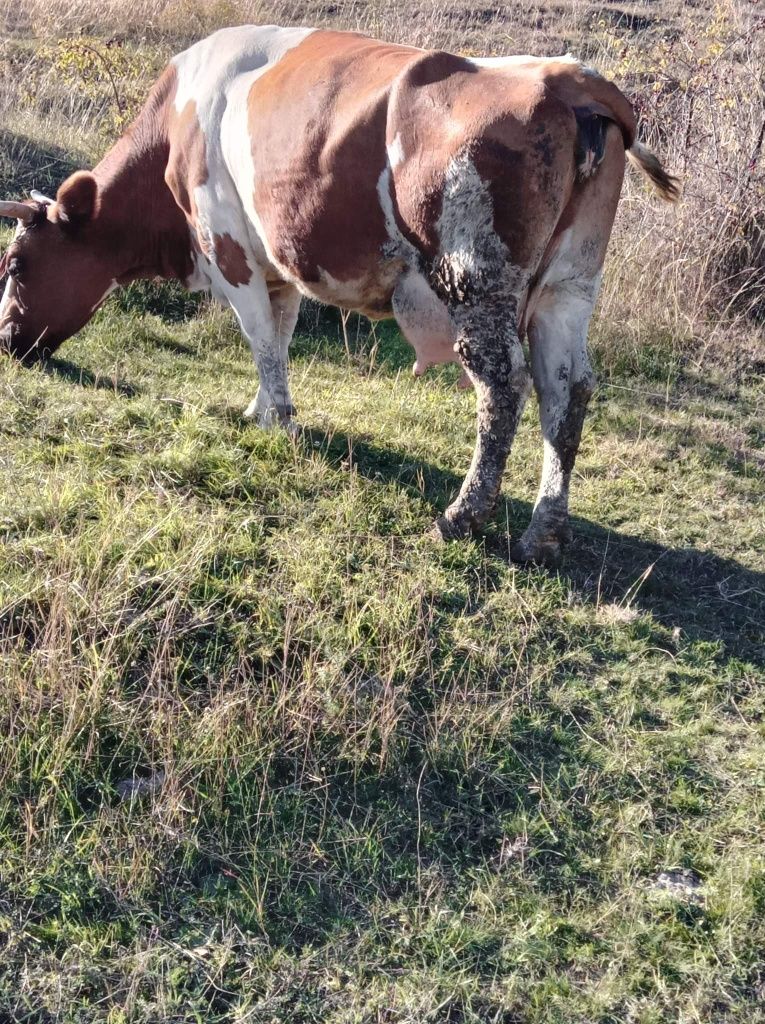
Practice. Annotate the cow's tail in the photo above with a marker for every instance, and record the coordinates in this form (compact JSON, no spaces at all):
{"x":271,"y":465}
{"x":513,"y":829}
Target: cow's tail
{"x":648,"y":163}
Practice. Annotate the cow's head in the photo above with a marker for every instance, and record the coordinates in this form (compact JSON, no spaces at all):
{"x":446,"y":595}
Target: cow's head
{"x":57,"y":266}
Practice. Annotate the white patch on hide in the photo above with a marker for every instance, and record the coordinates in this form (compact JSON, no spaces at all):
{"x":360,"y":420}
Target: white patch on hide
{"x":5,"y":301}
{"x":527,"y":60}
{"x":517,"y":60}
{"x":397,"y":247}
{"x":345,"y":294}
{"x":395,"y":153}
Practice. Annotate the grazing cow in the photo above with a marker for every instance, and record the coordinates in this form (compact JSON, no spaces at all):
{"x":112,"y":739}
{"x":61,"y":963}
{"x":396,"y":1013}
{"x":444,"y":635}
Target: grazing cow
{"x":470,"y":199}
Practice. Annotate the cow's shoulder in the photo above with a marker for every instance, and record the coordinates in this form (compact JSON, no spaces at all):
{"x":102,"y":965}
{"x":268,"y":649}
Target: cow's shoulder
{"x":204,"y":79}
{"x":207,"y":68}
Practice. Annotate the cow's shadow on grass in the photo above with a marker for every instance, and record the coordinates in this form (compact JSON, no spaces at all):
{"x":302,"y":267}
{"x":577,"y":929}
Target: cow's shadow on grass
{"x":77,"y":374}
{"x":707,"y":596}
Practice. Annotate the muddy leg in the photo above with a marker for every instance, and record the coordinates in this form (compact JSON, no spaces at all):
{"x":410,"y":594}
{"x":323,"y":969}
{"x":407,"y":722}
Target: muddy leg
{"x":490,"y":351}
{"x":564,"y":382}
{"x":252,"y":306}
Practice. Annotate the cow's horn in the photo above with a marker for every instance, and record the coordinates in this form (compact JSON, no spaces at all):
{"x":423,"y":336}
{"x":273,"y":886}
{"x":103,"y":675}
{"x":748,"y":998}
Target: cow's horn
{"x":40,"y":198}
{"x":20,"y":211}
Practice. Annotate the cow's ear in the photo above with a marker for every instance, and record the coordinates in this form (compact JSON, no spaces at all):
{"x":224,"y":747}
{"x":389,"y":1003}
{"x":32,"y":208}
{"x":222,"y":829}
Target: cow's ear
{"x":77,"y":199}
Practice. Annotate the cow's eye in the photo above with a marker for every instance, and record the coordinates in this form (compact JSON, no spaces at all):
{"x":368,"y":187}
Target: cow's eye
{"x":14,"y":267}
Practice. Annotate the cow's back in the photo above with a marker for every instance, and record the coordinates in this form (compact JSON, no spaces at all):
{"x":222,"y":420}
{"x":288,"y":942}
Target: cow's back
{"x":207,"y":70}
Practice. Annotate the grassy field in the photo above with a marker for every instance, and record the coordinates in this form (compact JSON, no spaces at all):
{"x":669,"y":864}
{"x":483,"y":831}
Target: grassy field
{"x":270,"y":755}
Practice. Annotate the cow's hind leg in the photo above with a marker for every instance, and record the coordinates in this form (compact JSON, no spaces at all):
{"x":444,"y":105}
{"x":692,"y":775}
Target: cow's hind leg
{"x":490,"y":352}
{"x":564,"y":381}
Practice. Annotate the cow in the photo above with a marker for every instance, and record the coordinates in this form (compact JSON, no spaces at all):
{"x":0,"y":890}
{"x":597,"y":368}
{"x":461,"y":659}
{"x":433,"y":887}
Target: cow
{"x":471,"y":199}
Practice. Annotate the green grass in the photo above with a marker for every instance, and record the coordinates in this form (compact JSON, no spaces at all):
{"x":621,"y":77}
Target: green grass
{"x":402,"y":781}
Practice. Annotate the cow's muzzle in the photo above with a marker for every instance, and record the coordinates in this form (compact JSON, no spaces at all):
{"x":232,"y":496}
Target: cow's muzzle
{"x":13,"y":344}
{"x":6,"y":339}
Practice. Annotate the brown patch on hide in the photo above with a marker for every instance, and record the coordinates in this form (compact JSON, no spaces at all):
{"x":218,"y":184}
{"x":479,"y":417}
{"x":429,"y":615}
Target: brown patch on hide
{"x":231,"y":260}
{"x":187,"y":161}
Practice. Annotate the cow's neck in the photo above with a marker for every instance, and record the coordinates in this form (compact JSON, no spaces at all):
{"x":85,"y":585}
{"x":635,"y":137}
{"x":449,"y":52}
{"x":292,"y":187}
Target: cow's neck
{"x":137,"y":208}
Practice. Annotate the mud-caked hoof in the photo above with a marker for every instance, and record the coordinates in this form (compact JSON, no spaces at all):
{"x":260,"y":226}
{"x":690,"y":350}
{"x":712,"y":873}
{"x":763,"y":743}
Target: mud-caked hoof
{"x":546,"y":553}
{"x":292,"y":427}
{"x":541,"y":548}
{"x":448,"y":528}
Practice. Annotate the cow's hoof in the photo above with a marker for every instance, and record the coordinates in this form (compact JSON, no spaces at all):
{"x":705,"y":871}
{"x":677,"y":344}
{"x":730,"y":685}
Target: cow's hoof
{"x":272,"y":418}
{"x":538,"y":547}
{"x":547,"y":553}
{"x":251,"y":412}
{"x":444,"y":529}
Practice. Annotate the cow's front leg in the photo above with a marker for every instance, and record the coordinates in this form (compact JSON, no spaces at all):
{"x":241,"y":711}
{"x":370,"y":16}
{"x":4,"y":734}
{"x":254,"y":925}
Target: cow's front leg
{"x":265,"y":409}
{"x":284,"y":302}
{"x":273,"y":403}
{"x":564,"y":382}
{"x":491,"y":354}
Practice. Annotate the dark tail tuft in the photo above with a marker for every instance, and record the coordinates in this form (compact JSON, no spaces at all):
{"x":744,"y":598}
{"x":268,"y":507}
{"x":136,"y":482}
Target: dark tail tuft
{"x":648,"y":163}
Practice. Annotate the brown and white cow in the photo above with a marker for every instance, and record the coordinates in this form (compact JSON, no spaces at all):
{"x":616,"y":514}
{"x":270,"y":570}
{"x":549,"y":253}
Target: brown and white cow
{"x":470,"y":199}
